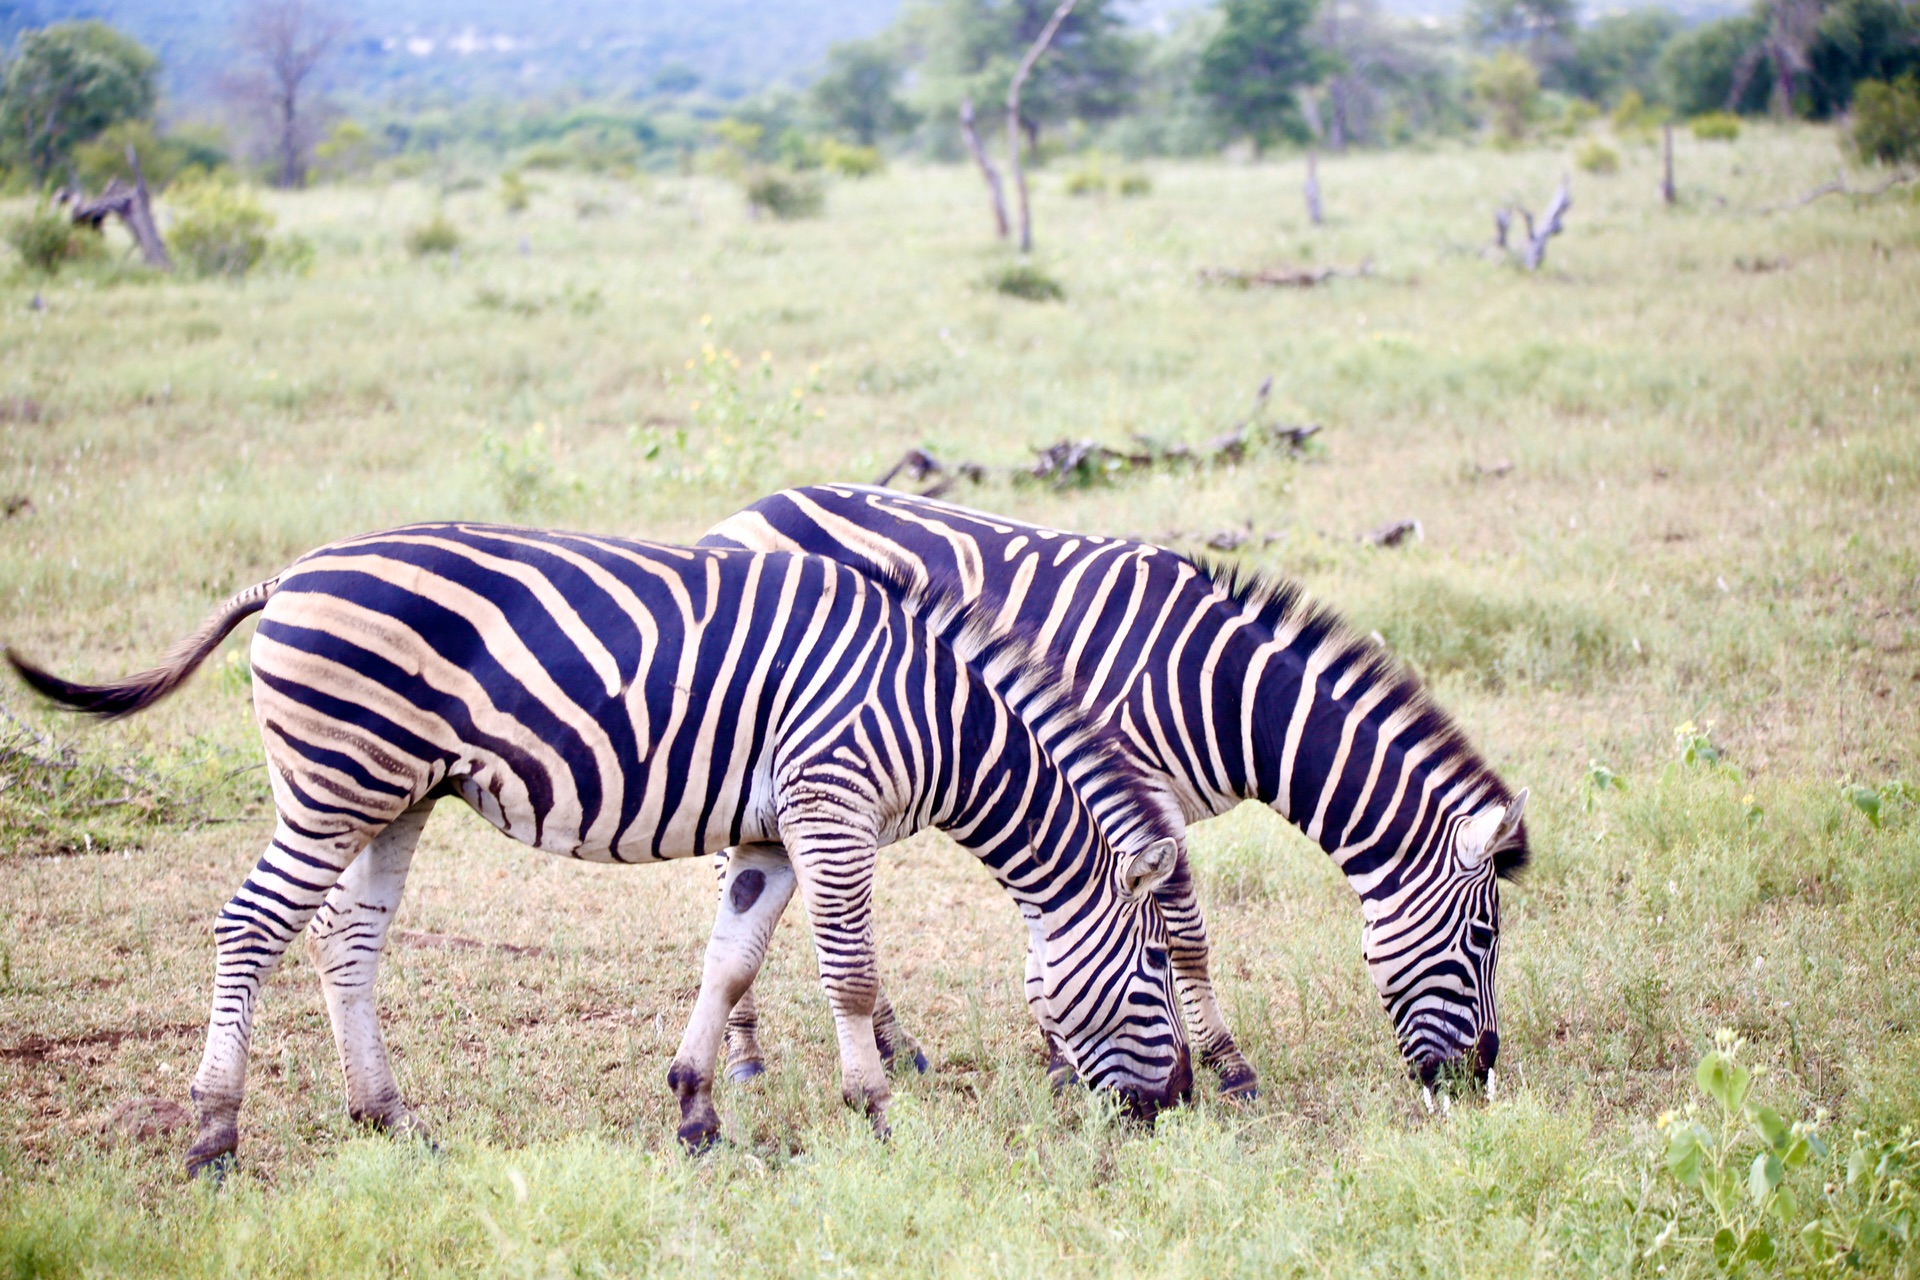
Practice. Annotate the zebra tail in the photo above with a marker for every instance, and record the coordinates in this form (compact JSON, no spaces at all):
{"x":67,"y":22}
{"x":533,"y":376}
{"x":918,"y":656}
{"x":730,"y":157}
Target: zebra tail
{"x":138,"y":692}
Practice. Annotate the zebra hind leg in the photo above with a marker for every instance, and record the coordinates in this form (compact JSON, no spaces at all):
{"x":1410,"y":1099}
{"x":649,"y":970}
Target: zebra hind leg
{"x":897,"y":1048}
{"x":346,"y":939}
{"x":759,"y":883}
{"x":251,"y":935}
{"x":1189,"y":952}
{"x":745,"y":1059}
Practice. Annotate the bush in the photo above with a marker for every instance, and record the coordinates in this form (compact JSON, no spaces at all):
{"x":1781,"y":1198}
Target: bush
{"x":46,"y":239}
{"x":436,"y":235}
{"x":851,"y":161}
{"x":162,"y":160}
{"x":516,"y":193}
{"x":1024,"y":280}
{"x":1716,"y":126}
{"x":1886,"y":120}
{"x":1508,"y":90}
{"x":1135,"y":184}
{"x":786,"y":196}
{"x":1086,"y":181}
{"x":1597,"y":157}
{"x":223,"y":231}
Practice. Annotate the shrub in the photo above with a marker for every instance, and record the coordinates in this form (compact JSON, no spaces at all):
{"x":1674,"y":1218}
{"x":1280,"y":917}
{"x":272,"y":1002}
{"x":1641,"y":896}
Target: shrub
{"x":786,"y":196}
{"x":1508,"y":90}
{"x":436,"y":235}
{"x":223,"y":231}
{"x":1024,"y":280}
{"x":1086,"y":181}
{"x":516,"y":193}
{"x":1597,"y":157}
{"x":1886,"y":120}
{"x":46,"y":239}
{"x":1716,"y":126}
{"x":851,"y":161}
{"x":1635,"y":115}
{"x":1135,"y":184}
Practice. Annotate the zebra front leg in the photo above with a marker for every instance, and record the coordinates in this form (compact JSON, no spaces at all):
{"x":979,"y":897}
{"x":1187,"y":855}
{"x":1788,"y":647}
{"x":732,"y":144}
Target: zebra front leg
{"x":835,"y":871}
{"x":1188,"y":952}
{"x":346,"y":939}
{"x":758,"y":884}
{"x":1060,"y":1070}
{"x":897,"y":1048}
{"x":275,"y":902}
{"x":744,"y":1057}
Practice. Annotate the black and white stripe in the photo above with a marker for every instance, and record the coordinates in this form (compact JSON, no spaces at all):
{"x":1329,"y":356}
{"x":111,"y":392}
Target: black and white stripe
{"x":1228,"y":687}
{"x":623,"y":701}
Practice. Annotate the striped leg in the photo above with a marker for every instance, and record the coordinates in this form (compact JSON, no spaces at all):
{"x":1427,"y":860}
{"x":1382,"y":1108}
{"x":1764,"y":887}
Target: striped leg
{"x":1188,"y":951}
{"x":756,"y":888}
{"x":346,"y":939}
{"x":287,"y":885}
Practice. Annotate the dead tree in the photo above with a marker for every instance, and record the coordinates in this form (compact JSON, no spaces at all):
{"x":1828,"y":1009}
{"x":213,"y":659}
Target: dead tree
{"x":285,"y":41}
{"x":1666,"y":162}
{"x":131,"y":205}
{"x":987,"y":171}
{"x":1313,"y":186}
{"x":1019,"y":80}
{"x":1547,"y":228}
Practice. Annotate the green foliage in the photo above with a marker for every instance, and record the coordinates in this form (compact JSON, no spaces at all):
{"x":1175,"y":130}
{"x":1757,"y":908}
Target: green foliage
{"x":850,"y":161}
{"x":1544,"y":27}
{"x":1508,"y":90}
{"x":1715,"y":126}
{"x":1026,"y":281}
{"x":46,"y":239}
{"x":1618,"y":52}
{"x":433,"y":237}
{"x":1881,"y":804}
{"x":1886,"y":121}
{"x":221,"y":231}
{"x":1088,"y":180}
{"x":1633,"y":115}
{"x":1255,"y":66}
{"x":162,"y":158}
{"x":856,"y":93}
{"x":66,"y":84}
{"x":1134,"y":184}
{"x":786,"y":195}
{"x":525,"y":470}
{"x":1698,"y":67}
{"x":1859,"y":41}
{"x":738,"y":420}
{"x":516,"y":193}
{"x":347,"y":149}
{"x":971,"y":47}
{"x":1595,"y":156}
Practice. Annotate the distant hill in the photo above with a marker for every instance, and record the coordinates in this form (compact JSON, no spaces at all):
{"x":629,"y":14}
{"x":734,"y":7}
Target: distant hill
{"x":425,"y":50}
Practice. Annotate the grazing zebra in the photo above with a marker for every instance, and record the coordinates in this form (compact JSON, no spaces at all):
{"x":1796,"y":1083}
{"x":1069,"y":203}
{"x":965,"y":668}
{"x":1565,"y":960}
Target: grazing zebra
{"x":624,"y":701}
{"x":1228,"y":687}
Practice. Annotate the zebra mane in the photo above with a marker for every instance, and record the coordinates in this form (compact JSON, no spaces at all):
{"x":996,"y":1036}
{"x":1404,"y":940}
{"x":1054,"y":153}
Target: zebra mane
{"x":1039,"y":691}
{"x":1278,"y":603}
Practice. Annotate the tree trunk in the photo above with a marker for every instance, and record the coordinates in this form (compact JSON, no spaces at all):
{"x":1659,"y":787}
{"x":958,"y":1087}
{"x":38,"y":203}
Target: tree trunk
{"x":1313,"y":186}
{"x":1666,"y":162}
{"x":987,"y":171}
{"x":1013,"y":116}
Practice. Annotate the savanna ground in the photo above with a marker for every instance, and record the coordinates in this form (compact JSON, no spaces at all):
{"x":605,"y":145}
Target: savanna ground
{"x":1712,"y":517}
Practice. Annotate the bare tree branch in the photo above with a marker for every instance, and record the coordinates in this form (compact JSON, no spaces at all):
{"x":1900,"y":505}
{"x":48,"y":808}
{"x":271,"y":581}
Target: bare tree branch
{"x":987,"y":171}
{"x":284,"y":42}
{"x":1020,"y":75}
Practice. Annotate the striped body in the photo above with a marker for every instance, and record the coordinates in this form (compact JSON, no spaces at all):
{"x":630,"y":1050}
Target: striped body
{"x":1228,"y":688}
{"x":622,"y":701}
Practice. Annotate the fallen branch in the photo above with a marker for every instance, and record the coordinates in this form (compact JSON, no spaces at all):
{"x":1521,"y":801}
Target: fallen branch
{"x":1283,"y":277}
{"x":128,"y":203}
{"x":1839,"y":187}
{"x":1394,"y":533}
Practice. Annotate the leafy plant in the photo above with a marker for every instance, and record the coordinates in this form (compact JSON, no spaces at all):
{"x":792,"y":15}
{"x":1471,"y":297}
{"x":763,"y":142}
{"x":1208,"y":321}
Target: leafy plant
{"x":787,"y":196}
{"x":1087,"y":180}
{"x":516,"y":193}
{"x":47,"y":239}
{"x":1696,"y":745}
{"x":1595,"y":156}
{"x":1716,"y":126}
{"x":1600,"y":780}
{"x":849,"y":160}
{"x":1877,"y":804}
{"x":1886,"y":120}
{"x":1024,"y":280}
{"x":526,"y":469}
{"x":223,"y":231}
{"x":1136,"y":184}
{"x":1508,"y":90}
{"x":434,"y":236}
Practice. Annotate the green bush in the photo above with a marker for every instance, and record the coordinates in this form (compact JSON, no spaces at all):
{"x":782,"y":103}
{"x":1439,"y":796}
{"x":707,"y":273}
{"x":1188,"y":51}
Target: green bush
{"x":851,"y":161}
{"x":223,"y":230}
{"x":786,"y":196}
{"x":1087,"y":180}
{"x":1886,"y":120}
{"x":1135,"y":184}
{"x":516,"y":193}
{"x":1508,"y":90}
{"x":46,"y":239}
{"x":436,"y":235}
{"x":1024,"y":280}
{"x":1595,"y":156}
{"x":1716,"y":126}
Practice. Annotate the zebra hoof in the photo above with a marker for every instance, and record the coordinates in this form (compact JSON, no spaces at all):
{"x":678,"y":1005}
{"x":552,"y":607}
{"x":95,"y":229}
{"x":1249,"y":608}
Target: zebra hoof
{"x":741,"y":1072}
{"x":920,"y":1063}
{"x":699,"y":1137}
{"x":214,"y":1166}
{"x":1239,"y":1086}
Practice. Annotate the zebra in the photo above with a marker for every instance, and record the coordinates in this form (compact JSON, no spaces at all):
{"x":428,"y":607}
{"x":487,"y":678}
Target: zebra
{"x":630,"y":702}
{"x":1225,"y":685}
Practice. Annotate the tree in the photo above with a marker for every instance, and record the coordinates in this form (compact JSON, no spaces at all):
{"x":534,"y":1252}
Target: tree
{"x":1544,"y":28}
{"x":1886,"y":120}
{"x":856,"y":93}
{"x":67,"y":84}
{"x":1784,"y":47}
{"x":1508,"y":87}
{"x":1618,"y":52}
{"x":285,"y":42}
{"x":1257,"y":63}
{"x":1861,"y":40}
{"x":1377,"y":70}
{"x":1698,"y":68}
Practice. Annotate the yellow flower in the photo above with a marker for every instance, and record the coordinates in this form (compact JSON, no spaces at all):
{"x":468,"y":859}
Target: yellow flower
{"x":705,"y":321}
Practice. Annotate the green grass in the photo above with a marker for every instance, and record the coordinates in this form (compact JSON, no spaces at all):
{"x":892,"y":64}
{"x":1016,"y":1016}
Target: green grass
{"x":1710,"y":517}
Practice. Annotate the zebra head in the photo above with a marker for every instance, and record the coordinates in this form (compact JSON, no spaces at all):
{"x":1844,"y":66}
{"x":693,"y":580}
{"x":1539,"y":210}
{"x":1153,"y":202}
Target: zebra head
{"x":1106,"y":990}
{"x":1432,"y":938}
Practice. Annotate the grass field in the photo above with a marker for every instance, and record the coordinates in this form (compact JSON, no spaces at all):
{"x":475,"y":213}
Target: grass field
{"x":1711,"y":519}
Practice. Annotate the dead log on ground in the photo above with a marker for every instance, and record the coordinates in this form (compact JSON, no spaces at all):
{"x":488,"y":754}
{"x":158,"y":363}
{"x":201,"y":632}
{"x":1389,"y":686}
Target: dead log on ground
{"x":1839,"y":187}
{"x":1394,"y":533}
{"x":1288,"y":277}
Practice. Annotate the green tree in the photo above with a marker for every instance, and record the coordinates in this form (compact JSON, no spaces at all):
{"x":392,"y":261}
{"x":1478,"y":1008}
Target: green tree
{"x":1257,"y":63}
{"x":67,"y":83}
{"x":1886,"y":120}
{"x":1861,"y":40}
{"x":856,"y":93}
{"x":1620,"y":51}
{"x":1508,"y":89}
{"x":1544,"y":28}
{"x":1698,"y":68}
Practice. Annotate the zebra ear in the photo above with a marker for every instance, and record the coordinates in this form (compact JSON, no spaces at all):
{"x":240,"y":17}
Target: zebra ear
{"x":1148,"y":869}
{"x":1488,"y":832}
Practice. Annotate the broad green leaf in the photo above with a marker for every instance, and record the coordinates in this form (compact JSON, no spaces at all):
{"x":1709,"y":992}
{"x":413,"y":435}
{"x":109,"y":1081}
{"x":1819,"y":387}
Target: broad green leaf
{"x":1784,"y":1207}
{"x":1758,"y":1246}
{"x":1867,"y":801}
{"x":1814,"y":1237}
{"x":1765,"y":1175}
{"x":1683,"y":1155}
{"x":1797,"y":1153}
{"x":1725,"y":1244}
{"x":1769,"y":1125}
{"x":1857,"y":1165}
